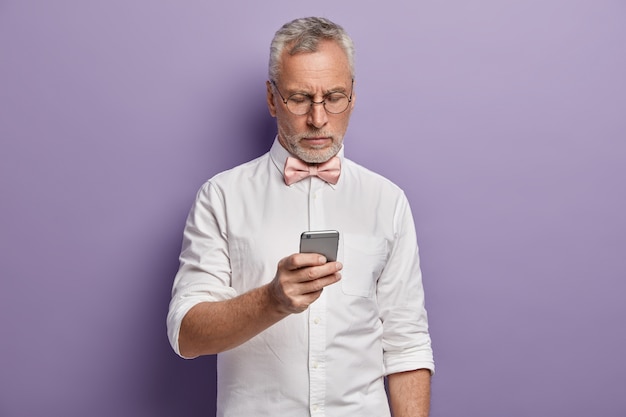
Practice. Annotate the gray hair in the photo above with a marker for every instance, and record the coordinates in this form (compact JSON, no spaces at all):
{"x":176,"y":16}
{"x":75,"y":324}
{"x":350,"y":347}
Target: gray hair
{"x":304,"y":35}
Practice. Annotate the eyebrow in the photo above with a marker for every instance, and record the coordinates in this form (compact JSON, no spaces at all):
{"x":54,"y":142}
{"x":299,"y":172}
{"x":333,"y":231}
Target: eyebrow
{"x":338,"y":89}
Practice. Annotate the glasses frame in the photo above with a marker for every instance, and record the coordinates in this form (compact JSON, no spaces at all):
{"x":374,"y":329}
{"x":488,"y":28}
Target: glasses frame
{"x":313,"y":102}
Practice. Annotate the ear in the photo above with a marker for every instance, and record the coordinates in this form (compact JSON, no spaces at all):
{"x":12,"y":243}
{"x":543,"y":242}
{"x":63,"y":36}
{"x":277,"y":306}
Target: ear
{"x":271,"y":103}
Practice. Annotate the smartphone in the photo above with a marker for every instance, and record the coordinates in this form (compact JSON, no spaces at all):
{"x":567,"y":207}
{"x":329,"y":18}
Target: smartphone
{"x":324,"y":242}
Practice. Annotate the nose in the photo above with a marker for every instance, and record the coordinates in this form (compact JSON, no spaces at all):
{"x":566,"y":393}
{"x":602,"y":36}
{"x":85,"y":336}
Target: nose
{"x":317,"y":117}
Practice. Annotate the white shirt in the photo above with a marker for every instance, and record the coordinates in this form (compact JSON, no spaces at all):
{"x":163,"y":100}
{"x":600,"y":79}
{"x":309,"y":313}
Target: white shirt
{"x":331,"y":359}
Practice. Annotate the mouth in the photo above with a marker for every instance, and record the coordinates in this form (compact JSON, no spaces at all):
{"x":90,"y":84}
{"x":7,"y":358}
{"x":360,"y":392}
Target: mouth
{"x":317,"y":141}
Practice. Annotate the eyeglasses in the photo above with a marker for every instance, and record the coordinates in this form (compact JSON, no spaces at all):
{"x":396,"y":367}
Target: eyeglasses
{"x":300,"y":104}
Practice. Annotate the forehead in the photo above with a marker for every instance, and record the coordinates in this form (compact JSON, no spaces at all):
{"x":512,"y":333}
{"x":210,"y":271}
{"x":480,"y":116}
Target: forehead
{"x":328,"y":65}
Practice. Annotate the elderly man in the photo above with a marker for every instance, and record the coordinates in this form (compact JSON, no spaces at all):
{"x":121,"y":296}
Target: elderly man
{"x":296,"y":334}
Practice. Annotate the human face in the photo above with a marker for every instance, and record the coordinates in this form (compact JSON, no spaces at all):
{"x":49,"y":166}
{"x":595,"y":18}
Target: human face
{"x":316,"y":136}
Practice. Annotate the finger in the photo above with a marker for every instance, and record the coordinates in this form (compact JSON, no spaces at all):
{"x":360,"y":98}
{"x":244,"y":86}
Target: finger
{"x":297,"y":297}
{"x":303,"y":260}
{"x":317,"y":272}
{"x":317,"y":285}
{"x":302,"y":302}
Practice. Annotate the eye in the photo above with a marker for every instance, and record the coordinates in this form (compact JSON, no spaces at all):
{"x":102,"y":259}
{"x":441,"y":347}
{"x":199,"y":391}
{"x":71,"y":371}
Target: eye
{"x":299,"y":99}
{"x":335,"y":97}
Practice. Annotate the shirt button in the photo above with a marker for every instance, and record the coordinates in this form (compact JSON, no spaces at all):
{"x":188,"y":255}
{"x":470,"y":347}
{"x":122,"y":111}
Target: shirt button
{"x":316,"y":320}
{"x":315,"y":365}
{"x":315,"y":407}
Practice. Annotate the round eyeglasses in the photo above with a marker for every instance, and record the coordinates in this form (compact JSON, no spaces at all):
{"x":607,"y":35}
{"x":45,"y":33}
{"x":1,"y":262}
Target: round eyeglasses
{"x":300,"y":104}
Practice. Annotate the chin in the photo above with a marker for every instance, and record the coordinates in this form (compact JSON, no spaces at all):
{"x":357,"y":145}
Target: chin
{"x":317,"y":156}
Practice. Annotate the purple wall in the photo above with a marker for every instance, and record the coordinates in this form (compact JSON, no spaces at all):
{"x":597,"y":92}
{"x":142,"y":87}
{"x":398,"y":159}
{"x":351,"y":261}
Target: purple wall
{"x":503,"y":122}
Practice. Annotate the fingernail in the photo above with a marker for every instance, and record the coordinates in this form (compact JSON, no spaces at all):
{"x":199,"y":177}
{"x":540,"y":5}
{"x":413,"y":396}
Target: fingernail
{"x":322,"y":260}
{"x":339,"y":266}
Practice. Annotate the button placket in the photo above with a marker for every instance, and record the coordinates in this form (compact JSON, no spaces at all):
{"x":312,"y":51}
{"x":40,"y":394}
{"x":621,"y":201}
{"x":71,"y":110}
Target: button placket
{"x":317,"y":315}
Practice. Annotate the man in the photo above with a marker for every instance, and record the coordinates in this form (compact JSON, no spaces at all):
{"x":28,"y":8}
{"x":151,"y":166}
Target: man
{"x":297,"y":335}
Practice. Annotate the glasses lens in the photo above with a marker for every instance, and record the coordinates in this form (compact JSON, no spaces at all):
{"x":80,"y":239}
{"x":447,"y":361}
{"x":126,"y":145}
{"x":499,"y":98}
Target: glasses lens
{"x":299,"y":104}
{"x":336,"y":103}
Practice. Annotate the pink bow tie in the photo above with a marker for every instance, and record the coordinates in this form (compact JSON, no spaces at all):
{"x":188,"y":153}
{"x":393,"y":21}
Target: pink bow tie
{"x":296,"y":170}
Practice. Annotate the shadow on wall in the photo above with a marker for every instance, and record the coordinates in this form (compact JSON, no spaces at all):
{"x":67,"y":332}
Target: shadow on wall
{"x":188,"y":387}
{"x":167,"y":385}
{"x":259,"y":128}
{"x":244,"y":132}
{"x":261,"y":132}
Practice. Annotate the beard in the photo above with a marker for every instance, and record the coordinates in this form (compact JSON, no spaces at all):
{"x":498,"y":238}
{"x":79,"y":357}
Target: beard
{"x":312,"y":155}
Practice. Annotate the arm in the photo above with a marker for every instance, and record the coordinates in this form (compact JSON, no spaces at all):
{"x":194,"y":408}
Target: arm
{"x":406,"y":340}
{"x":409,"y":393}
{"x":206,"y":314}
{"x":212,"y":327}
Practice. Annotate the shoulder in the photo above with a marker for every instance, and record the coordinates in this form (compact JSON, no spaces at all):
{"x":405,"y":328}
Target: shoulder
{"x":255,"y":169}
{"x":358,"y":174}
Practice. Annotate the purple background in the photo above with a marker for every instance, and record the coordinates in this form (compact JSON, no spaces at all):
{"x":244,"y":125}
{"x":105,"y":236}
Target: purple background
{"x":503,"y":121}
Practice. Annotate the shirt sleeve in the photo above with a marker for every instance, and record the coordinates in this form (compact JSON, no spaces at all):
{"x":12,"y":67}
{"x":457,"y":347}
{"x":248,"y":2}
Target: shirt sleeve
{"x":204,"y":273}
{"x":406,"y":340}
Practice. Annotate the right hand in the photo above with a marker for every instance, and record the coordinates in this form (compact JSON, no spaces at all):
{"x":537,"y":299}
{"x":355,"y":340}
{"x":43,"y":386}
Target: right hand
{"x":300,"y":279}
